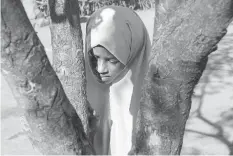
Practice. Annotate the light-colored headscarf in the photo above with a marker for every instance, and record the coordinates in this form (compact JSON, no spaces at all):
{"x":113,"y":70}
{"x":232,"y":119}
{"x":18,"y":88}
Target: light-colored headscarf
{"x":123,"y":34}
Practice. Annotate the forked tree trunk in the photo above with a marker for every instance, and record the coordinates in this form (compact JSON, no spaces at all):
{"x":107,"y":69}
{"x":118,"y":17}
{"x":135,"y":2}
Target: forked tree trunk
{"x":68,"y":58}
{"x":53,"y":124}
{"x":185,"y":33}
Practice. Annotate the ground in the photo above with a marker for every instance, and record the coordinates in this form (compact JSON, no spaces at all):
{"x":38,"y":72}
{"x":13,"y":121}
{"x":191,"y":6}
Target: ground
{"x":209,"y":127}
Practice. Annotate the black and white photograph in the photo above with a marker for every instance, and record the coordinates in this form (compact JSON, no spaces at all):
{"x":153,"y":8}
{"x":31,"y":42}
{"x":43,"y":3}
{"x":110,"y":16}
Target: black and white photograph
{"x":116,"y":77}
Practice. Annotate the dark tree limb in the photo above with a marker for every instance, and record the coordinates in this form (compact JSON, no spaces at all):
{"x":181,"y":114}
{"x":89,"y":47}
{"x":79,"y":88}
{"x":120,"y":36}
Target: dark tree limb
{"x":185,"y":33}
{"x":52,"y":123}
{"x":68,"y":58}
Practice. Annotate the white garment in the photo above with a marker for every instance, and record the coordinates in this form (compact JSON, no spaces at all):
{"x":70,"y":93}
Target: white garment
{"x":122,"y":33}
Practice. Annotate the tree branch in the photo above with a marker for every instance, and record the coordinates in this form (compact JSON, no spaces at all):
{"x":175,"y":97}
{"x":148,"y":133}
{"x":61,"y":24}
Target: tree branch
{"x":53,"y":124}
{"x":185,"y":33}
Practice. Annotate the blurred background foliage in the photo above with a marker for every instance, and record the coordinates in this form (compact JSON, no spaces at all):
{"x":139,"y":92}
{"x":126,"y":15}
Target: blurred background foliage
{"x":87,"y":7}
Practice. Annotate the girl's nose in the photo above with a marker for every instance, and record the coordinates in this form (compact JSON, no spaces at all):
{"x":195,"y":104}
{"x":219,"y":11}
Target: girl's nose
{"x":101,"y":67}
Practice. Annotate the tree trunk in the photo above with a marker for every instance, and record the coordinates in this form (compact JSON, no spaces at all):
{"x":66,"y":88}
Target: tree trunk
{"x":52,"y":123}
{"x":185,"y":33}
{"x":68,"y":58}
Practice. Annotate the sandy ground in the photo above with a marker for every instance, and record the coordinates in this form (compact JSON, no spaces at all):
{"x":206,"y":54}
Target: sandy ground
{"x":209,"y":127}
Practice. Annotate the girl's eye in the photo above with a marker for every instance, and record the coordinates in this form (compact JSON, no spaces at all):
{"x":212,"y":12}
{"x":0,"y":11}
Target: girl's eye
{"x":114,"y":61}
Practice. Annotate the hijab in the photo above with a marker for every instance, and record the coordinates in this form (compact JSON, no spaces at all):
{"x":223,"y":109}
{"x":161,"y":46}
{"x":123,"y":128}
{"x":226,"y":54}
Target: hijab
{"x":121,"y":31}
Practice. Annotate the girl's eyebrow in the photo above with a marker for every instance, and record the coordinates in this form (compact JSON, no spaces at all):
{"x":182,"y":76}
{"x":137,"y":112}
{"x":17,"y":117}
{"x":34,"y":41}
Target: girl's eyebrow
{"x":107,"y":57}
{"x":111,"y":57}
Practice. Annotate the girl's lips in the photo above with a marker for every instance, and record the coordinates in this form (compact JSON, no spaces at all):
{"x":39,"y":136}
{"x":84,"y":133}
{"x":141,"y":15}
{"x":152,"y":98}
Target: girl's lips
{"x":104,"y":78}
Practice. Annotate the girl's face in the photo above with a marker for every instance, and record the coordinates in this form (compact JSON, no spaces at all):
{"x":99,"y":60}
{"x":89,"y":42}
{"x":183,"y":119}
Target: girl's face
{"x":104,"y":65}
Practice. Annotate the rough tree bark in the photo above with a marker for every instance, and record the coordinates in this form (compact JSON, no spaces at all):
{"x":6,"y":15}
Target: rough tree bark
{"x":185,"y":33}
{"x":52,"y":123}
{"x":68,"y":57}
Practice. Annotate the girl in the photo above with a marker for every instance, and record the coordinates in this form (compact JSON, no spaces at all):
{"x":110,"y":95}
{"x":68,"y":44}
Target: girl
{"x":116,"y":52}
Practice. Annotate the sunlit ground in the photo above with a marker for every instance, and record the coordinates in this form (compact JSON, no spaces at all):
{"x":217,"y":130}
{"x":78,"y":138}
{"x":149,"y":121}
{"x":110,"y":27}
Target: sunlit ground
{"x":209,"y":129}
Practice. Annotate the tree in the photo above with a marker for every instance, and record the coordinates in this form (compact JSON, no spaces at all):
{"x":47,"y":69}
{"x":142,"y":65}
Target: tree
{"x":68,"y":57}
{"x":185,"y":33}
{"x":52,"y":122}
